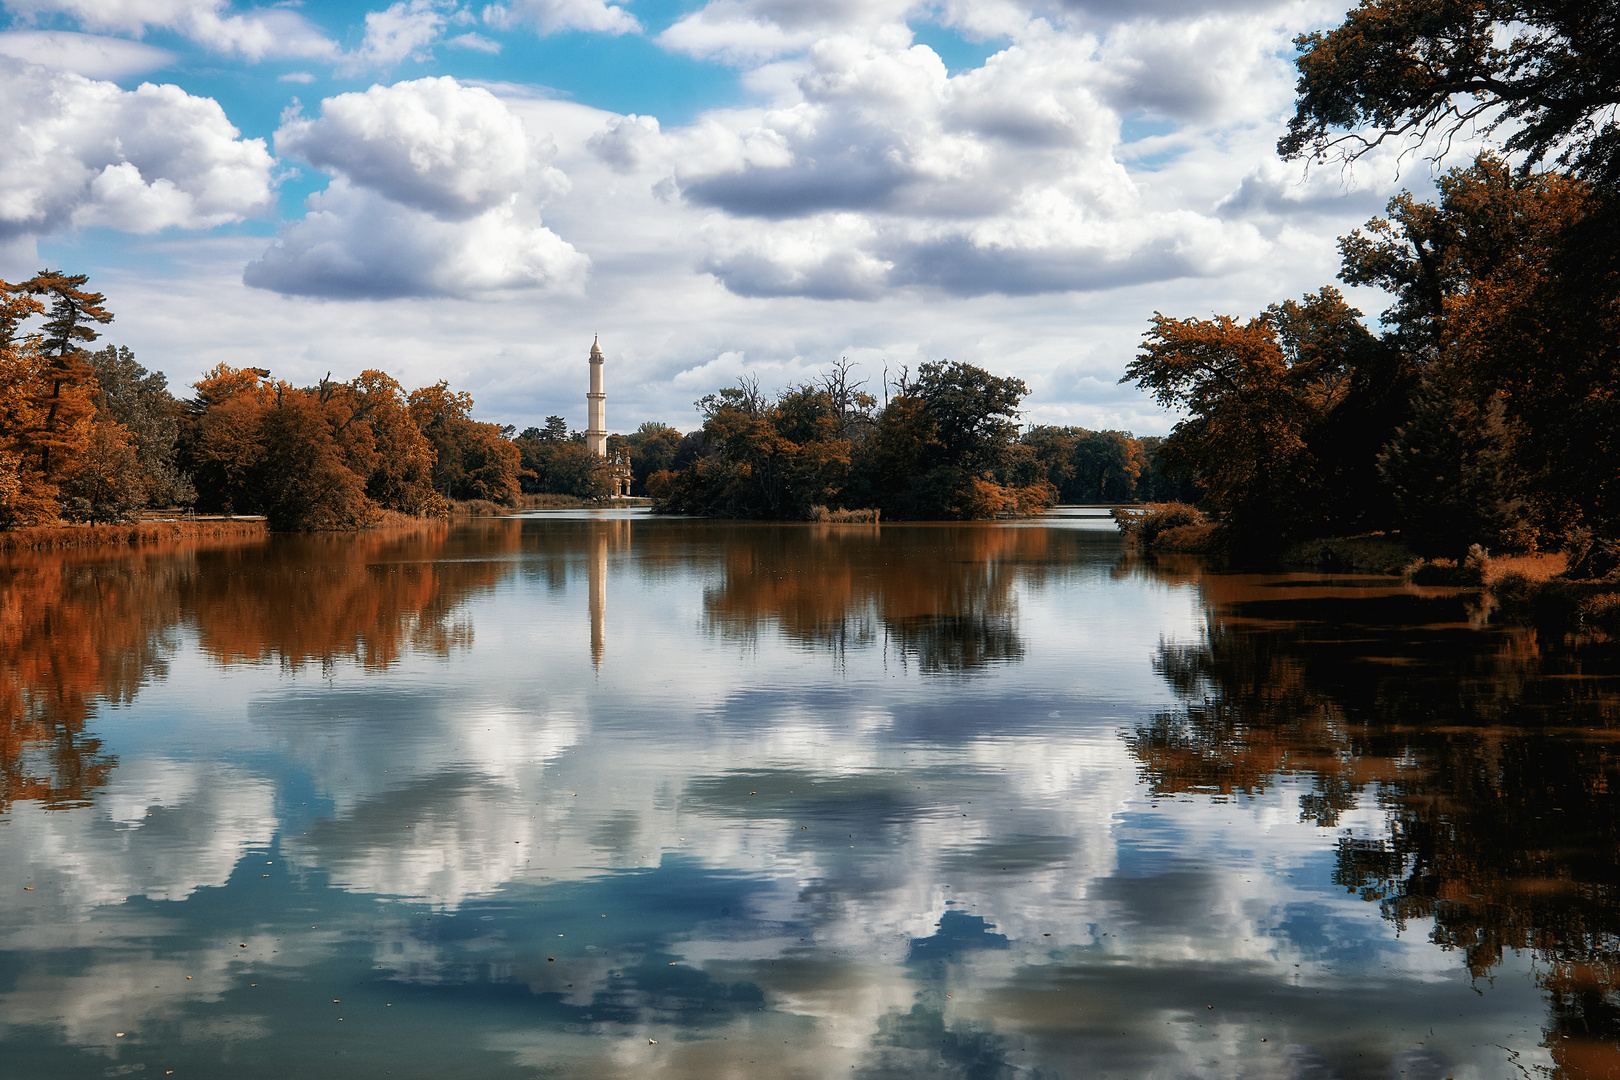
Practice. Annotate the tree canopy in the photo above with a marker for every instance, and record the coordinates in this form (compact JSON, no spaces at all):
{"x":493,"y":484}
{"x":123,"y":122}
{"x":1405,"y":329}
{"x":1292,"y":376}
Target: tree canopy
{"x":944,"y":446}
{"x":1545,"y":71}
{"x":96,"y":437}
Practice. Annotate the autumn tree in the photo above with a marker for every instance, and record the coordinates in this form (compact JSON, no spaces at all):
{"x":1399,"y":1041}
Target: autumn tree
{"x":66,"y":377}
{"x":104,"y":485}
{"x":47,"y":408}
{"x":26,"y":498}
{"x":331,"y":456}
{"x":399,"y":471}
{"x":1540,"y":328}
{"x":221,"y":444}
{"x":308,"y":479}
{"x":473,"y":460}
{"x":1515,"y":343}
{"x":1283,"y":414}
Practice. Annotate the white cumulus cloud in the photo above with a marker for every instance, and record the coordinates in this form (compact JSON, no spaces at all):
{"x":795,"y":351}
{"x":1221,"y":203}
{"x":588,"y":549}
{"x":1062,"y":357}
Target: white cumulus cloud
{"x":887,"y":172}
{"x":79,"y":152}
{"x":402,"y":31}
{"x":255,"y":34}
{"x":875,"y":169}
{"x":433,"y":144}
{"x":553,"y":16}
{"x":354,"y":243}
{"x":745,"y":31}
{"x":437,"y":192}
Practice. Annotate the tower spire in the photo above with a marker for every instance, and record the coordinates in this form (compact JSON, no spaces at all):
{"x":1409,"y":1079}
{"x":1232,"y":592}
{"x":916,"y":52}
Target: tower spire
{"x":596,"y":403}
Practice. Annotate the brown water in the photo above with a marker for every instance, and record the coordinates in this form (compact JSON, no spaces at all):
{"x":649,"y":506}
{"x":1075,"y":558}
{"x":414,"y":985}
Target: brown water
{"x":603,"y":795}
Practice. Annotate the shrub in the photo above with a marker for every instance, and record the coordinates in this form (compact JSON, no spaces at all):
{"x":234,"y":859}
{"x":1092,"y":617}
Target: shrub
{"x":842,"y":516}
{"x":1147,"y":524}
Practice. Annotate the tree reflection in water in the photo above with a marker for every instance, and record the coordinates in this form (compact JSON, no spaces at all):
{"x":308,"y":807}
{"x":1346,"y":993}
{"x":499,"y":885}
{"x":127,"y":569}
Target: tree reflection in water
{"x":1492,"y":752}
{"x":80,"y":630}
{"x":942,"y":598}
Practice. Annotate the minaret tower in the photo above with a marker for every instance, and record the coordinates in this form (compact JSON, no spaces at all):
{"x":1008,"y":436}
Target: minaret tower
{"x":596,"y":405}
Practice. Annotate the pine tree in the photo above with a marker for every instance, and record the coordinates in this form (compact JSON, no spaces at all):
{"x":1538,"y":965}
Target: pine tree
{"x":65,"y":384}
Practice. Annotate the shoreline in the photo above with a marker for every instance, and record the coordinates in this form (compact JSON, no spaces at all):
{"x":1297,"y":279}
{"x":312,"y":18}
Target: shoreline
{"x":134,"y":534}
{"x":57,"y":537}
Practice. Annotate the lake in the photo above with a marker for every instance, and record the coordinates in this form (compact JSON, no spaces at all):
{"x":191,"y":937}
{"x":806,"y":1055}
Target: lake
{"x":600,"y":794}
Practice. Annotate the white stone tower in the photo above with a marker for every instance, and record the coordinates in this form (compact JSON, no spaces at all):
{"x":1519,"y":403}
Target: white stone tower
{"x":596,"y":405}
{"x":596,"y":435}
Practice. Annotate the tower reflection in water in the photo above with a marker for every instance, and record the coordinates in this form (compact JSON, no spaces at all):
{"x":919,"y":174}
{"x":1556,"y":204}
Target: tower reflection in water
{"x":606,"y":535}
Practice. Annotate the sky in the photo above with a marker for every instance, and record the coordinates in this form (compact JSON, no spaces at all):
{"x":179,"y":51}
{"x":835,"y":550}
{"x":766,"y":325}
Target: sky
{"x":719,"y":188}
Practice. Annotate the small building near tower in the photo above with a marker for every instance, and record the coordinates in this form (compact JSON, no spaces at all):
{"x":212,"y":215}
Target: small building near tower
{"x":596,"y":436}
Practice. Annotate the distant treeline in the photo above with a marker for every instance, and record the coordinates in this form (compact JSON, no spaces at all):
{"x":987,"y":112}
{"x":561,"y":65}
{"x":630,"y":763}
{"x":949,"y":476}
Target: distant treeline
{"x":944,"y":445}
{"x":95,"y":437}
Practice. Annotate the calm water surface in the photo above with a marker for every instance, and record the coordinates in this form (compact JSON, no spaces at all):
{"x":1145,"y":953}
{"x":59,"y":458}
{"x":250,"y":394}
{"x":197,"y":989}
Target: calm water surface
{"x":604,"y":795}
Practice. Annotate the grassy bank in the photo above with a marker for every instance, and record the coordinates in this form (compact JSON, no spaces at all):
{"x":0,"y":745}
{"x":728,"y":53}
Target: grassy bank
{"x":47,"y":537}
{"x":485,"y":508}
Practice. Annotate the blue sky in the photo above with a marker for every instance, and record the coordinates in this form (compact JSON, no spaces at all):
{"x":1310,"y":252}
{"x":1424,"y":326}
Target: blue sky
{"x":469,"y":191}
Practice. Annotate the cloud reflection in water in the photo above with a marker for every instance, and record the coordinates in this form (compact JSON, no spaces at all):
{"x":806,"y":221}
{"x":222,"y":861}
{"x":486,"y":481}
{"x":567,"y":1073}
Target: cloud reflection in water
{"x":767,"y":830}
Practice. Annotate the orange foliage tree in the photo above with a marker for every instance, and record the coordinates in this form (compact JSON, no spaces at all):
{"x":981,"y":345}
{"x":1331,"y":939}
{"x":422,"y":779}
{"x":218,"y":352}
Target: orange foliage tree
{"x":47,"y":390}
{"x":333,"y":456}
{"x":474,"y":460}
{"x":1286,"y":413}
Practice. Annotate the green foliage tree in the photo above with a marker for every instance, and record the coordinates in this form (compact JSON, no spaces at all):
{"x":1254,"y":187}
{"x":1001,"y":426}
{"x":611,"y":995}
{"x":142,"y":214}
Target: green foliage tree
{"x":139,"y":401}
{"x":1158,"y":482}
{"x":1454,"y":473}
{"x":943,"y":447}
{"x":652,"y":449}
{"x":554,"y":464}
{"x":1092,"y":466}
{"x":1107,"y":465}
